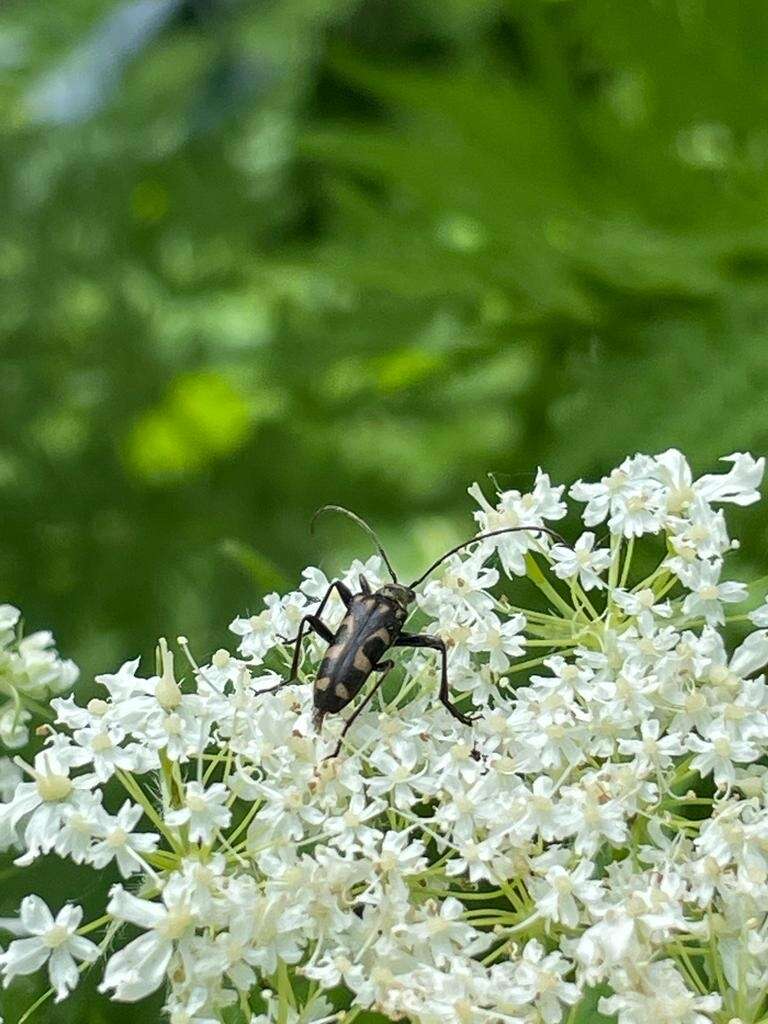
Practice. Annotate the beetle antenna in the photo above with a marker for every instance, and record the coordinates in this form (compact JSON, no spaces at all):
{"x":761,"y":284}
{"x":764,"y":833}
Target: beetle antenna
{"x":484,"y":536}
{"x":363,"y":526}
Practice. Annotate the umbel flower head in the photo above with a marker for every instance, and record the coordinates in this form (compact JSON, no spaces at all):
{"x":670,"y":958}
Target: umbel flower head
{"x":31,"y":672}
{"x":604,"y":821}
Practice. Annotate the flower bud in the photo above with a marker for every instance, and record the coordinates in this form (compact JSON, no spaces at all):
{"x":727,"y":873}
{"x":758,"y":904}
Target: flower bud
{"x":167,"y":690}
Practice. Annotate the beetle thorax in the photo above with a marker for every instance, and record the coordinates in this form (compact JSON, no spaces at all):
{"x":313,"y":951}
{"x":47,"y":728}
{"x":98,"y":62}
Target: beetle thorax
{"x":396,"y":592}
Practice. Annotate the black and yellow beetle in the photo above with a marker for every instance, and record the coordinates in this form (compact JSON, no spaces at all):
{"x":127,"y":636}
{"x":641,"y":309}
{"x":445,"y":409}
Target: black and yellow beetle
{"x":372,"y":625}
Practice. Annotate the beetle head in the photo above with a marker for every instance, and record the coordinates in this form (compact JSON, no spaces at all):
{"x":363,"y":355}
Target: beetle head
{"x":398,"y":593}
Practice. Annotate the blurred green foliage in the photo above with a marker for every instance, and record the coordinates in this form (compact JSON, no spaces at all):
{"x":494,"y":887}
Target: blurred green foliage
{"x":256,"y":256}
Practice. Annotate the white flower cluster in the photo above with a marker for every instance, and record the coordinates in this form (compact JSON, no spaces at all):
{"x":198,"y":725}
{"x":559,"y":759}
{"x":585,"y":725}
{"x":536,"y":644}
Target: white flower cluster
{"x":603,"y":822}
{"x":31,"y":672}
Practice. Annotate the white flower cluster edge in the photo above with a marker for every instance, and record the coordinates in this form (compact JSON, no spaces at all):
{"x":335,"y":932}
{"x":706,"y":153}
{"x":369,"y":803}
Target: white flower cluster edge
{"x":603,"y":823}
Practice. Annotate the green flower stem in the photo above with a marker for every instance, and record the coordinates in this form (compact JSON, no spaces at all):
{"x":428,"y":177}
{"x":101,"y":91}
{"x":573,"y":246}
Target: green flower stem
{"x":627,"y":563}
{"x":93,"y":926}
{"x":529,"y":613}
{"x":134,"y":790}
{"x":163,"y":860}
{"x":688,"y":967}
{"x":252,"y":812}
{"x":36,"y":1005}
{"x":613,"y":570}
{"x":649,"y":580}
{"x":585,"y":610}
{"x":543,"y":632}
{"x":286,"y":996}
{"x":537,"y":577}
{"x":716,"y":972}
{"x":523,"y":665}
{"x":663,"y":588}
{"x":494,"y":894}
{"x":216,"y":760}
{"x":501,"y":919}
{"x":40,"y":709}
{"x":552,"y":642}
{"x":493,"y":956}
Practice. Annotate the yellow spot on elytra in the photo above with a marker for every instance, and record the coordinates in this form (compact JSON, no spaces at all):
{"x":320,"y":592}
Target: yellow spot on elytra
{"x":361,"y":662}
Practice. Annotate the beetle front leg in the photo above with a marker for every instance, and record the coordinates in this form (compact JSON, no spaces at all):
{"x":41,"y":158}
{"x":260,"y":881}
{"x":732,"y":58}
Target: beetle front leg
{"x":313,"y":622}
{"x":346,"y":596}
{"x":436,"y":644}
{"x":321,"y":629}
{"x":316,"y":623}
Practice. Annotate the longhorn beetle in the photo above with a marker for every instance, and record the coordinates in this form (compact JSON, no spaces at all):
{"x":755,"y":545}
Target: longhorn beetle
{"x":372,"y":625}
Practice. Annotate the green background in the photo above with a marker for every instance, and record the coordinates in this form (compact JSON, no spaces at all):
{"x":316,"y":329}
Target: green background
{"x":257,"y":256}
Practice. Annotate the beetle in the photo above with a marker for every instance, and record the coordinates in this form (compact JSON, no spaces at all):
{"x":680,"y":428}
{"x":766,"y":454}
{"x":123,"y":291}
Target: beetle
{"x":372,"y":625}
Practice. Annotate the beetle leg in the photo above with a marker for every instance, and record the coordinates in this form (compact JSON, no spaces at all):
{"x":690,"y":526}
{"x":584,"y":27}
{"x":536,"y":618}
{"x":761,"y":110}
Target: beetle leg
{"x":383,"y":667}
{"x":313,"y":622}
{"x":436,"y":644}
{"x":346,"y":596}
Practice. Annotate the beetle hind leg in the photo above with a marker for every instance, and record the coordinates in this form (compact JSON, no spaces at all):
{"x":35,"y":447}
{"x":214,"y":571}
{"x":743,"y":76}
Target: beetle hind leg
{"x":383,"y":667}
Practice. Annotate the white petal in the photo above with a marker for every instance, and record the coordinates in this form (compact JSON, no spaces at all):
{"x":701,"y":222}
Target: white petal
{"x":24,"y":956}
{"x":760,"y":615}
{"x":739,"y":485}
{"x":70,"y":916}
{"x":127,"y":907}
{"x":27,"y":798}
{"x":35,"y":915}
{"x":83,"y":949}
{"x":12,"y":925}
{"x":138,"y":969}
{"x":677,"y":472}
{"x":63,"y":973}
{"x":752,"y":654}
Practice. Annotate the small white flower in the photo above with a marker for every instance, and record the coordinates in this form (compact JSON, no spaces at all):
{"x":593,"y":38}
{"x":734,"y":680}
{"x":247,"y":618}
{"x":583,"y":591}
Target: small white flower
{"x":708,"y":594}
{"x":592,"y":818}
{"x":80,"y":822}
{"x":204,"y":811}
{"x":139,"y":968}
{"x":501,"y":640}
{"x":642,"y":605}
{"x":258,"y":633}
{"x":717,"y":752}
{"x":116,"y":839}
{"x":10,"y":777}
{"x":581,"y":561}
{"x":539,"y":979}
{"x":53,"y":941}
{"x":663,"y":999}
{"x":9,"y":617}
{"x":557,"y":892}
{"x":39,"y":806}
{"x":652,"y":749}
{"x":440,"y":935}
